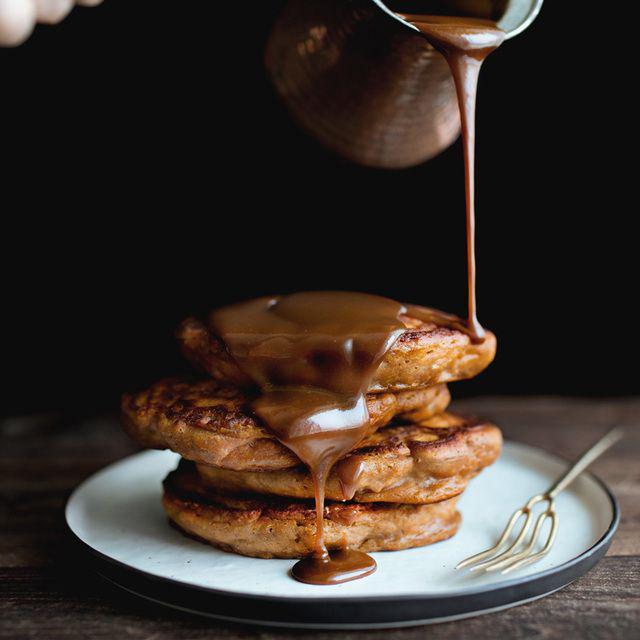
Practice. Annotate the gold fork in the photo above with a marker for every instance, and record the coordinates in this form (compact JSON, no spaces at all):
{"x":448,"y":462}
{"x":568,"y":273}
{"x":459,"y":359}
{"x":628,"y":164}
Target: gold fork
{"x":514,"y":557}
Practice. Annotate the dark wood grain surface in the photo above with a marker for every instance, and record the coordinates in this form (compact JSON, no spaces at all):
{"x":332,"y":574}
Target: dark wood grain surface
{"x":45,"y":595}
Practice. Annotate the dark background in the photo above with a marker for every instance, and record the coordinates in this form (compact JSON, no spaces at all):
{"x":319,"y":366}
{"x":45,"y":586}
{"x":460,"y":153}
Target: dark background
{"x":148,"y":173}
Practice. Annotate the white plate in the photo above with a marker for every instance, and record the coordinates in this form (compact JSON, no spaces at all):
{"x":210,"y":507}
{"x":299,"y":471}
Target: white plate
{"x":117,"y":515}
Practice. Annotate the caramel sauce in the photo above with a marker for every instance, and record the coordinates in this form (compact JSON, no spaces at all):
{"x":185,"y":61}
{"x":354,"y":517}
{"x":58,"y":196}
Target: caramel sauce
{"x":465,"y":43}
{"x":349,"y":470}
{"x":313,"y":355}
{"x":428,"y":315}
{"x":342,"y":565}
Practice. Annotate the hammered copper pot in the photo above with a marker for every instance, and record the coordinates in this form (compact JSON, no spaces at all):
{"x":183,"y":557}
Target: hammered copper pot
{"x":365,"y":83}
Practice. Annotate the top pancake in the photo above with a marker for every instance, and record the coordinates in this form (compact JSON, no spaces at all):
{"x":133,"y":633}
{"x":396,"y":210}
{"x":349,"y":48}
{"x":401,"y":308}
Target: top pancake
{"x":426,"y":354}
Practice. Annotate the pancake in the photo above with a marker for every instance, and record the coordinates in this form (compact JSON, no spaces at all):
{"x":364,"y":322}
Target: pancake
{"x":426,"y":354}
{"x":265,"y":527}
{"x":408,"y":463}
{"x":212,"y":423}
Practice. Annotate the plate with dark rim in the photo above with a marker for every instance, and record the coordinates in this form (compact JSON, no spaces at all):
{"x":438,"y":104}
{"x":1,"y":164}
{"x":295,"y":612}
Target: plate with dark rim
{"x":117,"y":521}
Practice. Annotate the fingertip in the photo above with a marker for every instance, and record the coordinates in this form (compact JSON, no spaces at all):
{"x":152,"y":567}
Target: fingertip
{"x":17,"y":19}
{"x":52,"y":11}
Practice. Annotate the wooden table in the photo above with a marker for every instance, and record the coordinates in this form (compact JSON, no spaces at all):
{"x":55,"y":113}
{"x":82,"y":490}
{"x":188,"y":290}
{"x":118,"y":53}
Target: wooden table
{"x":44,"y":596}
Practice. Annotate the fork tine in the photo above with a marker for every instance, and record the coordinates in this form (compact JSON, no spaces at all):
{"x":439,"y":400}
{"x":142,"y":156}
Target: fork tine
{"x":547,"y":547}
{"x":508,"y":554}
{"x":497,"y":563}
{"x":505,"y":535}
{"x":511,"y":548}
{"x":485,"y":554}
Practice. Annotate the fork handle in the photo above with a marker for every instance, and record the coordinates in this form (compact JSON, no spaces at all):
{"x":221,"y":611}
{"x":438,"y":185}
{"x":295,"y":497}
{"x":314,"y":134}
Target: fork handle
{"x":584,"y":461}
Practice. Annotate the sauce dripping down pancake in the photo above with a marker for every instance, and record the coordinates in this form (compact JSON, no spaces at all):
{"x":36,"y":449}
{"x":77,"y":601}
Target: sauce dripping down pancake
{"x":313,"y":355}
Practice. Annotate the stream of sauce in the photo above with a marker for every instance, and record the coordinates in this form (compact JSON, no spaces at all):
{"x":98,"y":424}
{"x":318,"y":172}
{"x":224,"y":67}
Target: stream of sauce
{"x":313,"y":355}
{"x":465,"y":43}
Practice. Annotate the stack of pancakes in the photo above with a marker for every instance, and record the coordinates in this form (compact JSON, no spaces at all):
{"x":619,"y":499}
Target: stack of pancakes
{"x":240,"y":489}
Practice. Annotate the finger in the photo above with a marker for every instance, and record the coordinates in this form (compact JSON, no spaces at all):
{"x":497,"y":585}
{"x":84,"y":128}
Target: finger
{"x":52,"y":11}
{"x":17,"y":18}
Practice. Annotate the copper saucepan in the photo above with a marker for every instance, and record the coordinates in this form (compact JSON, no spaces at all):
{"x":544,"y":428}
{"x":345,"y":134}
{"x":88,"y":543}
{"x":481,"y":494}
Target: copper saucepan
{"x":365,"y":84}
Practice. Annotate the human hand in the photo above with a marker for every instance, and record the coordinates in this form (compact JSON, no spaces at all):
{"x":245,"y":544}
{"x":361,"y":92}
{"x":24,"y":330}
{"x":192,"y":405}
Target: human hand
{"x":18,"y":17}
